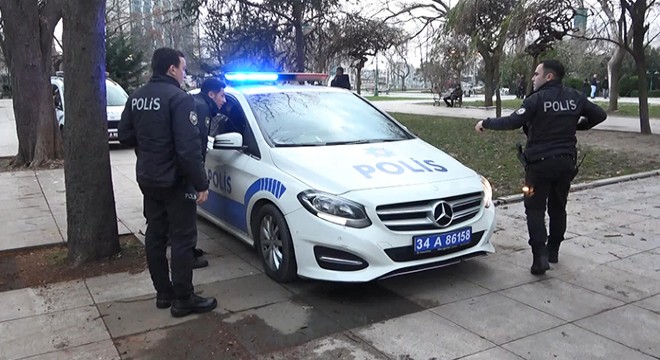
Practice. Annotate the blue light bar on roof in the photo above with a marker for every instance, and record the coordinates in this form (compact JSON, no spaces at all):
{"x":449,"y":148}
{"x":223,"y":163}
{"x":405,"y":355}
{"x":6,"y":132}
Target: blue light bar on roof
{"x":255,"y":77}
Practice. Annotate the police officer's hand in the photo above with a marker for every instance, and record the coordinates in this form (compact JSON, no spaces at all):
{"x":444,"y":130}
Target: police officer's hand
{"x":202,"y":196}
{"x":479,"y":127}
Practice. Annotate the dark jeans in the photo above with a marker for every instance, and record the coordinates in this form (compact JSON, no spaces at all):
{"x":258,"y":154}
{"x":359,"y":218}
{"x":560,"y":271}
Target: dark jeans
{"x":549,"y":181}
{"x":171,"y":213}
{"x":450,"y":98}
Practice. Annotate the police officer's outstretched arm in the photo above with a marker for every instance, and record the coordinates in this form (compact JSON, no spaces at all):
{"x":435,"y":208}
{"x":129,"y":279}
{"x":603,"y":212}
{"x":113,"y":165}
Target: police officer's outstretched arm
{"x":125,"y":129}
{"x":516,"y":120}
{"x":593,"y":115}
{"x":186,"y":141}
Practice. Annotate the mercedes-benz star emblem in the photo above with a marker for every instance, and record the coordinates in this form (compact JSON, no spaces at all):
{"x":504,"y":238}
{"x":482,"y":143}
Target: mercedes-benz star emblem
{"x":443,"y":214}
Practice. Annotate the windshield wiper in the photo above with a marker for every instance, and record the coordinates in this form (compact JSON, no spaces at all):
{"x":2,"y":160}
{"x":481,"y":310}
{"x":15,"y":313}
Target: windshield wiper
{"x":369,"y":141}
{"x":299,"y":145}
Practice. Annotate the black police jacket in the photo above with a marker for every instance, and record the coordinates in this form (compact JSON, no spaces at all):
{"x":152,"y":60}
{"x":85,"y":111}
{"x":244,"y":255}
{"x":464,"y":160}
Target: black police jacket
{"x":160,"y":121}
{"x":206,"y":110}
{"x":550,"y":117}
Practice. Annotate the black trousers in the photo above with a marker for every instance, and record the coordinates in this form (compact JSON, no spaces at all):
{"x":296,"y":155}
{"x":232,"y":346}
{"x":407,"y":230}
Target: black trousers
{"x":171,"y":213}
{"x":549,"y":182}
{"x":449,"y":98}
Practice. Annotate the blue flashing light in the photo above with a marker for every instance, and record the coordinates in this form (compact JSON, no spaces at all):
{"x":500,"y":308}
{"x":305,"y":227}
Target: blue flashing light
{"x":252,"y":77}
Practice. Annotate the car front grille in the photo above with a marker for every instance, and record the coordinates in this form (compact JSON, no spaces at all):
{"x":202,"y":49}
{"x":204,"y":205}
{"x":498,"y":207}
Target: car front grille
{"x":419,"y":215}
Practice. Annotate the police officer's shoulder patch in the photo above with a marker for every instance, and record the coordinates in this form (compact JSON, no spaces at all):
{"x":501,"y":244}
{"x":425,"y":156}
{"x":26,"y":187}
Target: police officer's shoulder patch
{"x":520,"y":111}
{"x":193,"y":118}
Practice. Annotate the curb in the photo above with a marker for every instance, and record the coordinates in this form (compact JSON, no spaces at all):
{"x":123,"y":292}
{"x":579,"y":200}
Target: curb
{"x":511,"y":199}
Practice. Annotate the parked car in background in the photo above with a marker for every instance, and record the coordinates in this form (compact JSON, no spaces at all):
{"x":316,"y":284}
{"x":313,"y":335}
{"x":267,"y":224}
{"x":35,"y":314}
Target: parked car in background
{"x":115,"y":96}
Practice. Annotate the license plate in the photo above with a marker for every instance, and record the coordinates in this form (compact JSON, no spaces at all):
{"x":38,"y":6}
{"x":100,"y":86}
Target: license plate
{"x":427,"y":243}
{"x":113,"y":135}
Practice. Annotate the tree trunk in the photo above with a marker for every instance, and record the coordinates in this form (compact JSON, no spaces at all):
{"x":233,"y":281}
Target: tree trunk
{"x":29,"y":35}
{"x":358,"y":79}
{"x":91,"y":216}
{"x":490,"y":76}
{"x":638,"y":16}
{"x":498,"y":97}
{"x":613,"y":74}
{"x":300,"y":37}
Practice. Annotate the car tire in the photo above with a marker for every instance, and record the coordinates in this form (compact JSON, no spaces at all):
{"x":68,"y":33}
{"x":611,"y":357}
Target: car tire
{"x":274,"y":245}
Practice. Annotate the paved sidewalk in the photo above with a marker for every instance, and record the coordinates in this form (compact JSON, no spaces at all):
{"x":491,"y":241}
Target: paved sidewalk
{"x":602,"y":301}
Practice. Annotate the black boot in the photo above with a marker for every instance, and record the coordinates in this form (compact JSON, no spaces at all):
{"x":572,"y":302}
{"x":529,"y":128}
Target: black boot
{"x":553,"y":253}
{"x":164,"y":300}
{"x":199,"y":263}
{"x":540,"y":264}
{"x":193,"y":304}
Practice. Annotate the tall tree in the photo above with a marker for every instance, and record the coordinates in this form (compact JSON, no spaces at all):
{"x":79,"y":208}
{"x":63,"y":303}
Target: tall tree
{"x":28,"y":35}
{"x":487,"y":23}
{"x":358,"y":38}
{"x":124,"y":60}
{"x":91,"y":215}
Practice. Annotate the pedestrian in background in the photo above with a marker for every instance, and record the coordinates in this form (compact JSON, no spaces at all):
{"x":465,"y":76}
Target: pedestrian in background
{"x":341,"y":80}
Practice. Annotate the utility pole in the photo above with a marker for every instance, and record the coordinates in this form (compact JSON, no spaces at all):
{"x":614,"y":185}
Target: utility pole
{"x":376,"y":87}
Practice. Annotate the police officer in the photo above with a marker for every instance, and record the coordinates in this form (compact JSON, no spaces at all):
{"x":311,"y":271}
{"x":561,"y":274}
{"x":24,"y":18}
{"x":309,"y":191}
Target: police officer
{"x":550,"y":117}
{"x":159,"y":119}
{"x":207,"y":104}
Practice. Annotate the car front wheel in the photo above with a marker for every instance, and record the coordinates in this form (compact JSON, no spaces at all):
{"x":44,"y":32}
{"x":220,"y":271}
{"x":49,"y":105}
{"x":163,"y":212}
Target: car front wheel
{"x":274,"y":244}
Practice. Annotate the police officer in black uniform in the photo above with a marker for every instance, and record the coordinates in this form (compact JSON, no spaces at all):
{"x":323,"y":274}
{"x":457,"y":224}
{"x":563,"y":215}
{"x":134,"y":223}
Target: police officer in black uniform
{"x":550,"y":117}
{"x":159,"y":119}
{"x":207,"y":104}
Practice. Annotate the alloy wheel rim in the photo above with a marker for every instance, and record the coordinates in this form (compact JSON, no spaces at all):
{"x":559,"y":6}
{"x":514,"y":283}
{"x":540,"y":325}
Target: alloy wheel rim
{"x":271,"y":243}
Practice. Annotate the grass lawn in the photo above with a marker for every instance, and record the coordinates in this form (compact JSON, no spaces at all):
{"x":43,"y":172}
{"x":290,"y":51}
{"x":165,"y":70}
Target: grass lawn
{"x":493,"y":153}
{"x":625,"y":109}
{"x":388,"y":98}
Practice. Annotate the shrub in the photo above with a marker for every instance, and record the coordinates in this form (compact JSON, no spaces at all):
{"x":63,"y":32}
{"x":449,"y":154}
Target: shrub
{"x":573,"y":82}
{"x":627,"y":84}
{"x":654,"y":93}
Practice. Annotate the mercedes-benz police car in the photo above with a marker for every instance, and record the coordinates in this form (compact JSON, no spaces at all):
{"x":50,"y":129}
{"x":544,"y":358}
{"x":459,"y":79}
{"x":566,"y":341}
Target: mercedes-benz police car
{"x":116,"y":98}
{"x":326,"y":186}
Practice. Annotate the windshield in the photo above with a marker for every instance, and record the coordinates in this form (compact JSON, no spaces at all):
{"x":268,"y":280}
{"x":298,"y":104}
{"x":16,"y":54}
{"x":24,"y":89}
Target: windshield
{"x":115,"y":94}
{"x":310,"y":118}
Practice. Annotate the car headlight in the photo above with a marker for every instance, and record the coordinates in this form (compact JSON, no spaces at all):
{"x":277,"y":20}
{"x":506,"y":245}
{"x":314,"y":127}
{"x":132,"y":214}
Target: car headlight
{"x":488,"y":192}
{"x":334,"y":209}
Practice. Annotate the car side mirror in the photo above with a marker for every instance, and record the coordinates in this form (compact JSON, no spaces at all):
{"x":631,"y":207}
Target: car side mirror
{"x":228,"y":141}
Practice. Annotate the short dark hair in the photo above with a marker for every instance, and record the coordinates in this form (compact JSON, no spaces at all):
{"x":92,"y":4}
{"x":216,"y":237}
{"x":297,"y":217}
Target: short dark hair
{"x":163,"y":58}
{"x":212,"y":84}
{"x":339,"y":68}
{"x":555,"y":67}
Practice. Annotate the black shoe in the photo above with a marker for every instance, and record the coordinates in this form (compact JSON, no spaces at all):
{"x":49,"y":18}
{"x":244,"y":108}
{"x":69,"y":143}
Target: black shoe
{"x":199,"y":263}
{"x":540,"y":264}
{"x":163,"y":301}
{"x":198,"y":252}
{"x":553,"y":255}
{"x":193,"y":304}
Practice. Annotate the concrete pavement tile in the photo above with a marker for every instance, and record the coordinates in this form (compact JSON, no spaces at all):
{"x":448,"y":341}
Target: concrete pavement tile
{"x":31,"y":202}
{"x":493,"y":273}
{"x":16,"y":174}
{"x":51,"y":332}
{"x":42,"y":300}
{"x":230,"y":242}
{"x":120,"y":286}
{"x":595,"y":251}
{"x":422,"y":335}
{"x":223,"y":268}
{"x":644,"y":264}
{"x":20,"y":226}
{"x":652,"y":303}
{"x":510,"y":232}
{"x":561,"y":299}
{"x":567,"y":262}
{"x":252,"y":258}
{"x":630,"y":325}
{"x":19,"y":190}
{"x":497,"y":318}
{"x":338,"y":346}
{"x":244,"y":293}
{"x":608,"y":215}
{"x":137,"y":315}
{"x":628,"y":237}
{"x":102,"y":350}
{"x":648,"y":208}
{"x":24,"y":213}
{"x":30,"y":239}
{"x":649,"y":226}
{"x":615,"y":283}
{"x":579,"y":226}
{"x":433,"y":288}
{"x":279,"y":326}
{"x":571,"y":342}
{"x":496,"y":353}
{"x":212,"y":248}
{"x":352,"y":304}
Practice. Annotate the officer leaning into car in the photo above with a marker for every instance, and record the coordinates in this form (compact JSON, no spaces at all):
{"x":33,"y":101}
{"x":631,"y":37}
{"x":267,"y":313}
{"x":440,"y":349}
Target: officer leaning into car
{"x":207,"y":104}
{"x":549,"y":117}
{"x":159,"y":119}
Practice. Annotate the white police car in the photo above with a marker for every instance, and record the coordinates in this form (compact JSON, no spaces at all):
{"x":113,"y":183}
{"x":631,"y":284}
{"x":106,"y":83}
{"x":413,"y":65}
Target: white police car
{"x":115,"y":95}
{"x":326,"y":186}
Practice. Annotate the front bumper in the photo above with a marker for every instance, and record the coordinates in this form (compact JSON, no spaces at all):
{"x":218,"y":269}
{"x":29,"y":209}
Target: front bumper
{"x":326,"y":251}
